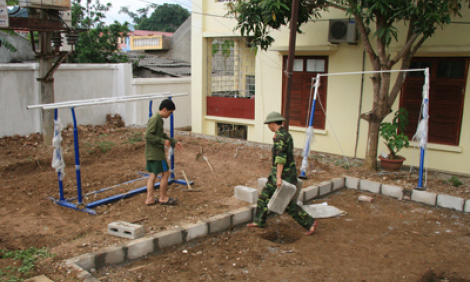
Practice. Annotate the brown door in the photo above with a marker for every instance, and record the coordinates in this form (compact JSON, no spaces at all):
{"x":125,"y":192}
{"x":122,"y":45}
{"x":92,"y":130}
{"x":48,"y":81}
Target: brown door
{"x":306,"y":68}
{"x":446,"y":97}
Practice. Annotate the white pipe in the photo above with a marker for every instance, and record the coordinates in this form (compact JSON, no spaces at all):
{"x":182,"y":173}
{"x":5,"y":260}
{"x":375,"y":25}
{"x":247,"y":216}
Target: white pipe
{"x":101,"y":101}
{"x":361,"y":72}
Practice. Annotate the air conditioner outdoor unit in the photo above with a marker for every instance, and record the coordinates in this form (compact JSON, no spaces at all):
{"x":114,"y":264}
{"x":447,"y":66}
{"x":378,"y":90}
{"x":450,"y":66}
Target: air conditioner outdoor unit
{"x":46,"y":4}
{"x":342,"y":30}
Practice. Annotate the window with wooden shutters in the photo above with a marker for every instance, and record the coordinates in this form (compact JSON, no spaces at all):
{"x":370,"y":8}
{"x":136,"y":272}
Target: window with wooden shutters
{"x":306,"y":68}
{"x":448,"y":78}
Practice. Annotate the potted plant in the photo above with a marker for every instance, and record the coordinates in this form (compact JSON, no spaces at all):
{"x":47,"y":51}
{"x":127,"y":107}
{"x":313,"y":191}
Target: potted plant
{"x":395,"y":139}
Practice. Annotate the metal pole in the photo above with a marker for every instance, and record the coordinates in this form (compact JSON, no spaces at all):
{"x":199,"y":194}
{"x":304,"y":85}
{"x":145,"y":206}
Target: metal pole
{"x":172,"y":135}
{"x":421,"y":161}
{"x":46,"y":61}
{"x":290,"y":59}
{"x":61,"y":188}
{"x":77,"y":158}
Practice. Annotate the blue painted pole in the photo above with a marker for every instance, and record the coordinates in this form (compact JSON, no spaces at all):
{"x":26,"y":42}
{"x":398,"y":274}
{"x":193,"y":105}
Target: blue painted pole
{"x":310,"y":121}
{"x":172,"y":135}
{"x":150,"y":108}
{"x":61,"y":187}
{"x":77,"y":157}
{"x":421,"y":161}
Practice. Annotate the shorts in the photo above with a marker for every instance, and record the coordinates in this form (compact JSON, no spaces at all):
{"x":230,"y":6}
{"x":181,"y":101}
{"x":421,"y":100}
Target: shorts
{"x":157,"y":167}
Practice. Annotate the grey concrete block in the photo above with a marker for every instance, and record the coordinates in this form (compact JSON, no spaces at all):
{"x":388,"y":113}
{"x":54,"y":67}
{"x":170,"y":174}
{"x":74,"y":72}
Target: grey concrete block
{"x":242,"y":215}
{"x":392,"y":191}
{"x":299,"y":185}
{"x":371,"y":186}
{"x":261,"y":183}
{"x":450,"y":202}
{"x":311,"y":192}
{"x":352,"y":183}
{"x":467,"y":206}
{"x":282,"y":197}
{"x":424,"y":197}
{"x":40,"y":278}
{"x":301,"y":196}
{"x":79,"y":272}
{"x":196,"y":230}
{"x":219,"y":223}
{"x":338,"y":183}
{"x":85,"y":261}
{"x":247,"y":194}
{"x":110,"y":256}
{"x":140,"y":248}
{"x":168,"y":238}
{"x":324,"y":188}
{"x":125,"y":229}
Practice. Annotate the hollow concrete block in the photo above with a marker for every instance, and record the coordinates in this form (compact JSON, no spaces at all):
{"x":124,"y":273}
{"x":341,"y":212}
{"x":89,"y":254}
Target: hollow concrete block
{"x":168,"y":238}
{"x":352,"y":183}
{"x":370,"y":186}
{"x":195,"y":230}
{"x":261,"y":183}
{"x":242,"y":215}
{"x":140,"y":248}
{"x":219,"y":223}
{"x":246,"y":194}
{"x":282,"y":197}
{"x":424,"y":197}
{"x":467,"y":206}
{"x":311,"y":192}
{"x":324,"y":188}
{"x":125,"y":229}
{"x":450,"y":202}
{"x":338,"y":183}
{"x":392,"y":191}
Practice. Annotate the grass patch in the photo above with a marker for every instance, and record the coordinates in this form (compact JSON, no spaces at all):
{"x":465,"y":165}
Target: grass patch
{"x":454,"y":181}
{"x":137,"y":137}
{"x":106,"y":146}
{"x":27,"y":257}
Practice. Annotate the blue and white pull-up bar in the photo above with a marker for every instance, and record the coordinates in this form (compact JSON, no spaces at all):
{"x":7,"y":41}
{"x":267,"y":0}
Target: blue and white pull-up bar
{"x":421,"y":132}
{"x":58,"y":159}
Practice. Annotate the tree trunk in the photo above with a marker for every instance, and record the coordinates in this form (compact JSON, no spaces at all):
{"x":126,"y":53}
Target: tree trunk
{"x":370,"y":162}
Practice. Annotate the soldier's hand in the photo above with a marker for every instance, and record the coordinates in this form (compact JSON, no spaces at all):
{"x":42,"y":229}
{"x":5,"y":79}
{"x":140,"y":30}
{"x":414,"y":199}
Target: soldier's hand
{"x":279,"y":182}
{"x":167,"y":143}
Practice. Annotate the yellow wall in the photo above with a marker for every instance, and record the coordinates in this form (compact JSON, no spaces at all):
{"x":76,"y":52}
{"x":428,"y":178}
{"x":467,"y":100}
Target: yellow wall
{"x":344,"y":102}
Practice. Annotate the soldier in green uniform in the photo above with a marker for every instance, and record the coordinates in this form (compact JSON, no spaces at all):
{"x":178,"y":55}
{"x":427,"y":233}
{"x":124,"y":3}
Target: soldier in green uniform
{"x":283,"y":168}
{"x":156,"y":140}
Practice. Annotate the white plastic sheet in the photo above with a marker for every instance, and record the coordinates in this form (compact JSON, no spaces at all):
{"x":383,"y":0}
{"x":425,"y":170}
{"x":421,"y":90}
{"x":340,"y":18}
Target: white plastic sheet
{"x":57,"y":156}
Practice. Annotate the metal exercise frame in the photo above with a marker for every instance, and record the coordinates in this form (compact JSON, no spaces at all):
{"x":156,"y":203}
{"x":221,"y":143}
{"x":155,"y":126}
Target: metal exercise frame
{"x":425,"y":107}
{"x":62,"y":201}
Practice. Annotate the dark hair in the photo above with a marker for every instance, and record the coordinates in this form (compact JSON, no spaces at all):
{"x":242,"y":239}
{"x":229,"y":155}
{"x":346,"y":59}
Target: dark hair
{"x":168,"y":104}
{"x":279,"y":122}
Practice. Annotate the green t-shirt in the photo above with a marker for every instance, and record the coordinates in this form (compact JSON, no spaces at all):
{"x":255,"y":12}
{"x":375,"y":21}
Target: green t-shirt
{"x":155,"y":139}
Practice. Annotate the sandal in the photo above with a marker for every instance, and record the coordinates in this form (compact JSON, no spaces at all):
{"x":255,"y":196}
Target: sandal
{"x":154,"y":202}
{"x":311,"y":231}
{"x":170,"y":202}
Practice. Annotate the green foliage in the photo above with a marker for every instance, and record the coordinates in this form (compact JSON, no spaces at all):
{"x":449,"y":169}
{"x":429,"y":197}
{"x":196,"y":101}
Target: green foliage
{"x":393,"y":133}
{"x":223,"y":46}
{"x":136,"y":138}
{"x":141,"y":13}
{"x":166,"y":18}
{"x":99,"y":44}
{"x":4,"y":42}
{"x":27,"y":257}
{"x":454,"y":181}
{"x":106,"y":146}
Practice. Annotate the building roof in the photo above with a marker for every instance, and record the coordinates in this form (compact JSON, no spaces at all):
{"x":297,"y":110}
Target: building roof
{"x":172,"y":67}
{"x":148,"y":33}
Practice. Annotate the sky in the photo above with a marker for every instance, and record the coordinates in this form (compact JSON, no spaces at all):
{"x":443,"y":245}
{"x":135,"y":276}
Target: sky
{"x":113,"y":13}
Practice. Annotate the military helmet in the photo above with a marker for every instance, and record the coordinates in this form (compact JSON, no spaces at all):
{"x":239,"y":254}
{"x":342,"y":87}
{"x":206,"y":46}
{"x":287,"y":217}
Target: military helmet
{"x":274,"y":117}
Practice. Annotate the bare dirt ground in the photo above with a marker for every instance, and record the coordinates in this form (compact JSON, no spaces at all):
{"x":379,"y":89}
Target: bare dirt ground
{"x":369,"y":244}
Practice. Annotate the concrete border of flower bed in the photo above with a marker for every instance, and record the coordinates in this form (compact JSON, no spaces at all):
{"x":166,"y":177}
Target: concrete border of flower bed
{"x":154,"y":243}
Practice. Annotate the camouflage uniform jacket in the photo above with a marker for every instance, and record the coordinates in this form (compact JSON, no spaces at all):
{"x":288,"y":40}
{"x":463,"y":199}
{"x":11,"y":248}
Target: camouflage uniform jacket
{"x":283,"y":153}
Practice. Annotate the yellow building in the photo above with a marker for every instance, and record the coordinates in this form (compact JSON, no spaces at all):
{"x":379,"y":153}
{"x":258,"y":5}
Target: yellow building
{"x":233,"y":88}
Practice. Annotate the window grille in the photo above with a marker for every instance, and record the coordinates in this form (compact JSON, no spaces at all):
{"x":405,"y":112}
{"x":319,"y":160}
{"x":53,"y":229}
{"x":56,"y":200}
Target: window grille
{"x":235,"y":131}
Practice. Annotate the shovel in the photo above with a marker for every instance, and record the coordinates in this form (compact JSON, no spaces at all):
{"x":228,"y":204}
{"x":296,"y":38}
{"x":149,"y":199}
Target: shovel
{"x":200,"y":157}
{"x":190,"y":189}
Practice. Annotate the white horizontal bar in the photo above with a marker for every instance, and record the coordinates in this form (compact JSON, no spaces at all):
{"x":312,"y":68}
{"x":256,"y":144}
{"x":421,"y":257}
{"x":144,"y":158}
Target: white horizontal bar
{"x":101,"y":101}
{"x":365,"y":72}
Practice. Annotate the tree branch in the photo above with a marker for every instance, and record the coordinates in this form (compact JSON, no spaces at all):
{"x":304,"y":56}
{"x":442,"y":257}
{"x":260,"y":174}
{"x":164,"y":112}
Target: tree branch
{"x":365,"y":39}
{"x":404,"y":51}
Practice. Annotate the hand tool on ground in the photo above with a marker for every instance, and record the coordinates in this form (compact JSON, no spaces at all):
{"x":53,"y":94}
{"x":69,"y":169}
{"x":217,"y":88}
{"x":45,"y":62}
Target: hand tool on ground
{"x":190,"y":189}
{"x":200,"y":157}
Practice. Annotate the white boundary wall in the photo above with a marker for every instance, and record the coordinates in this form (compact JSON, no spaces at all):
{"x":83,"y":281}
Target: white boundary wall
{"x":19,"y":88}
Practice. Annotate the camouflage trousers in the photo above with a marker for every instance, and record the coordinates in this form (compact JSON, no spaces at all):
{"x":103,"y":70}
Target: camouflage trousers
{"x":294,"y":210}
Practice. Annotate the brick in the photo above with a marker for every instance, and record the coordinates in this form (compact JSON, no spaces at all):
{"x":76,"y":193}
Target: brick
{"x":467,"y":206}
{"x":85,"y":261}
{"x":424,"y":197}
{"x":219,"y":223}
{"x":324,"y":188}
{"x":247,"y":194}
{"x":311,"y":192}
{"x":282,"y":197}
{"x":125,"y":229}
{"x":352,"y":183}
{"x":338,"y":183}
{"x":40,"y":278}
{"x":242,"y":215}
{"x":168,"y":238}
{"x":140,"y":248}
{"x":371,"y":186}
{"x":392,"y":191}
{"x":195,"y":230}
{"x":450,"y":202}
{"x":261,"y":183}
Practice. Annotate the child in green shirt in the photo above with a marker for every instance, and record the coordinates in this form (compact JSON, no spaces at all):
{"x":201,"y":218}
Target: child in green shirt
{"x":155,"y":155}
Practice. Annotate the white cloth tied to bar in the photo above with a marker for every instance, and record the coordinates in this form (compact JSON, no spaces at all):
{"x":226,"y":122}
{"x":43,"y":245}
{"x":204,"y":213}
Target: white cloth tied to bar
{"x":57,"y":157}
